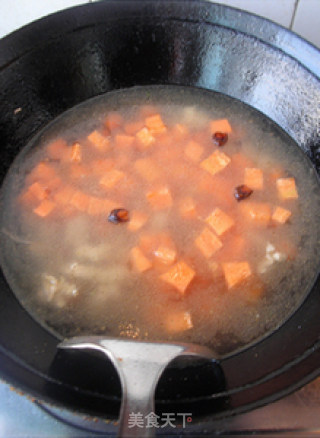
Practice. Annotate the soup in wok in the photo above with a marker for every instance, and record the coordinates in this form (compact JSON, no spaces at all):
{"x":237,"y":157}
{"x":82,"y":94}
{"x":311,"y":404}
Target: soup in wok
{"x":161,"y":213}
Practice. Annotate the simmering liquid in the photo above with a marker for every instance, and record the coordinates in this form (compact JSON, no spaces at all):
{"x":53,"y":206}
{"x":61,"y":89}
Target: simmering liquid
{"x":161,"y":213}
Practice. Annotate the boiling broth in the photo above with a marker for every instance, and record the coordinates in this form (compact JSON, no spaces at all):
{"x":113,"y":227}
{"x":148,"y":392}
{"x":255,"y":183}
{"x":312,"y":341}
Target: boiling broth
{"x":79,"y":273}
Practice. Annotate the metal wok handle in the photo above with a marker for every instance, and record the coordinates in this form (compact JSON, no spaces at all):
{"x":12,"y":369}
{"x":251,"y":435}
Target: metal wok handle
{"x":139,"y":365}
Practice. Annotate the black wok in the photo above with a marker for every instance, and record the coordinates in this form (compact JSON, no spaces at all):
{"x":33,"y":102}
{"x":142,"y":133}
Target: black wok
{"x":64,"y":59}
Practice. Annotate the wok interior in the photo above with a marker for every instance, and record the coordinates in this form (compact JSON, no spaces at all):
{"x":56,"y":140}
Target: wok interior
{"x":69,"y":67}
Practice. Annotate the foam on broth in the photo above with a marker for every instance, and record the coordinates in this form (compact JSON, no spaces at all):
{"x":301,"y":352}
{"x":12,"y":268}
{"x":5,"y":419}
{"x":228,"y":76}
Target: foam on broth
{"x":87,"y":257}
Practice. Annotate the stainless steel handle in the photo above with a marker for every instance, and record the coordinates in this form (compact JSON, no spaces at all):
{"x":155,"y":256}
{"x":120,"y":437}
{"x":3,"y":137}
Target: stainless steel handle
{"x":139,"y":365}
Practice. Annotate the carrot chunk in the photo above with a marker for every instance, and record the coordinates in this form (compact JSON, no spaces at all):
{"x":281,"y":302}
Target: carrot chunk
{"x":132,"y":128}
{"x":179,"y":276}
{"x":99,"y":141}
{"x":111,"y":178}
{"x":137,"y":220}
{"x":56,"y":149}
{"x":281,"y":215}
{"x":38,"y":191}
{"x":187,"y":207}
{"x":258,"y":212}
{"x":253,"y":178}
{"x":64,"y":195}
{"x":76,"y":154}
{"x":221,"y":125}
{"x":42,"y":171}
{"x":145,"y":137}
{"x":178,"y":322}
{"x":124,"y":140}
{"x":287,"y":188}
{"x":165,"y":254}
{"x":147,"y":169}
{"x":193,"y":151}
{"x":113,"y":121}
{"x":45,"y":208}
{"x":236,"y":272}
{"x":80,"y":201}
{"x":208,"y":243}
{"x":139,"y":261}
{"x":220,"y":221}
{"x":155,"y":124}
{"x":215,"y":162}
{"x":160,"y":198}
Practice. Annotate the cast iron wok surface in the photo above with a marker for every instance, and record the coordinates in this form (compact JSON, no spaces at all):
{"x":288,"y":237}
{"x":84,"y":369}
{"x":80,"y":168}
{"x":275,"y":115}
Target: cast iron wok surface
{"x":64,"y":59}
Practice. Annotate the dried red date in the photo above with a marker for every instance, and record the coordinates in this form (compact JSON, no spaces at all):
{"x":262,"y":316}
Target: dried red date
{"x":118,"y":215}
{"x":220,"y":138}
{"x":242,"y":192}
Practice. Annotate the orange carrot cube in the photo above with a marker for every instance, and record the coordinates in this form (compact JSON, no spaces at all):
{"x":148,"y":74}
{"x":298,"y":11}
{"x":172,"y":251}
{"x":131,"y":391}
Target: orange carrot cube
{"x":257,"y":212}
{"x":220,"y":221}
{"x":155,"y":124}
{"x":99,"y":141}
{"x":187,"y":207}
{"x":137,"y":220}
{"x":64,"y":195}
{"x":147,"y":169}
{"x":42,"y":171}
{"x":145,"y":137}
{"x":208,"y":243}
{"x":160,"y":198}
{"x":166,"y":254}
{"x":235,"y":273}
{"x":221,"y":125}
{"x":179,"y":276}
{"x":193,"y":151}
{"x":132,"y":128}
{"x":76,"y":154}
{"x":80,"y":201}
{"x":178,"y":322}
{"x":45,"y":208}
{"x":281,"y":215}
{"x":215,"y":162}
{"x":253,"y":178}
{"x":124,"y":140}
{"x":39,"y":191}
{"x":287,"y":188}
{"x":113,"y":121}
{"x":139,"y":261}
{"x":56,"y":149}
{"x":111,"y":178}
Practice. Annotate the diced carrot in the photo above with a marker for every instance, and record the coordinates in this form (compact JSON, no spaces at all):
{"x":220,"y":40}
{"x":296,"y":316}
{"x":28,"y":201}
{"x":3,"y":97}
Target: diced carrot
{"x":80,"y":201}
{"x":45,"y":208}
{"x":235,"y":273}
{"x":145,"y":137}
{"x":139,"y":261}
{"x":137,"y":220}
{"x":221,"y":125}
{"x":179,"y":131}
{"x":39,"y":191}
{"x":179,"y":276}
{"x":281,"y":215}
{"x":76,"y":154}
{"x":220,"y":221}
{"x":215,"y":162}
{"x":53,"y":184}
{"x":149,"y":242}
{"x":99,"y":206}
{"x":258,"y":212}
{"x":287,"y":188}
{"x":253,"y":178}
{"x":101,"y":166}
{"x":147,"y":169}
{"x":178,"y":322}
{"x":160,"y":198}
{"x":155,"y":124}
{"x":113,"y":121}
{"x":165,"y":254}
{"x":64,"y":195}
{"x":111,"y":178}
{"x":99,"y":141}
{"x":193,"y":151}
{"x":208,"y":243}
{"x":42,"y":172}
{"x":123,"y":140}
{"x":56,"y":149}
{"x":187,"y":207}
{"x":132,"y":128}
